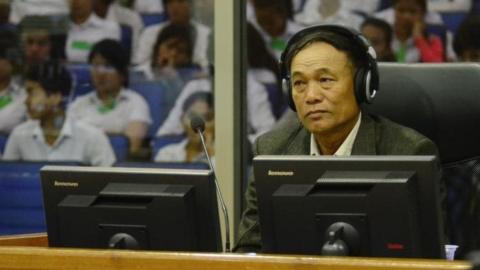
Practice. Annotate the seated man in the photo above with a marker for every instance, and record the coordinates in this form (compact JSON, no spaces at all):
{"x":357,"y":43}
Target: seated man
{"x":112,"y":106}
{"x":328,"y":71}
{"x":50,"y":135}
{"x":86,"y":29}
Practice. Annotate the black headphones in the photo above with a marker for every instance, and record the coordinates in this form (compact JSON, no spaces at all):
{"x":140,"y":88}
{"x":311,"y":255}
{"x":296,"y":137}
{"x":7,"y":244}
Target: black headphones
{"x":365,"y":78}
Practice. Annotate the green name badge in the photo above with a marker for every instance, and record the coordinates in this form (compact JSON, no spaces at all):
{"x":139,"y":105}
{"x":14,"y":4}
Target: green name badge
{"x":81,"y":45}
{"x":4,"y":101}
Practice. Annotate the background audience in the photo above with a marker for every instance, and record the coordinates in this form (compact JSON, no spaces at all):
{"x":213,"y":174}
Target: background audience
{"x":12,"y":94}
{"x":50,"y":135}
{"x":86,"y":29}
{"x":113,"y":107}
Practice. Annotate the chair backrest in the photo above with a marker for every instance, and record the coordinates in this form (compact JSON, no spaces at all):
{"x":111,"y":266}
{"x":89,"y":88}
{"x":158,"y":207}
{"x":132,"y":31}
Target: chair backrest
{"x":21,"y":201}
{"x":162,"y":141}
{"x":156,"y":98}
{"x":153,"y":18}
{"x":3,"y":142}
{"x":126,"y":38}
{"x":120,"y":146}
{"x":82,"y":83}
{"x":442,"y":101}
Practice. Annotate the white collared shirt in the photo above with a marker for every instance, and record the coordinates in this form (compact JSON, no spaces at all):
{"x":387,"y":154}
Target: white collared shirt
{"x":345,"y":148}
{"x":15,"y":111}
{"x":129,"y":107}
{"x":126,"y":16}
{"x":81,"y":38}
{"x":77,"y":142}
{"x":21,"y":8}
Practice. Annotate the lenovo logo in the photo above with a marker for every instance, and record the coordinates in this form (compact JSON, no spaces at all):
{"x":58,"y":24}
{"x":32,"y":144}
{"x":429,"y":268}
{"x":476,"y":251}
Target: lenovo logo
{"x":280,"y":173}
{"x":65,"y":184}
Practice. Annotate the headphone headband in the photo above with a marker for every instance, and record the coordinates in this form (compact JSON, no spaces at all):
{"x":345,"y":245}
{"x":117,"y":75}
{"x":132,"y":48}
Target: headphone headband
{"x":366,"y":77}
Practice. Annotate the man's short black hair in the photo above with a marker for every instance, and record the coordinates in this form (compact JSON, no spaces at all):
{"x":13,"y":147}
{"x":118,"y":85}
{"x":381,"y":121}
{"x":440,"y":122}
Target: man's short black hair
{"x":355,"y":52}
{"x":468,"y":35}
{"x":52,"y":76}
{"x":114,"y":54}
{"x":382,"y":25}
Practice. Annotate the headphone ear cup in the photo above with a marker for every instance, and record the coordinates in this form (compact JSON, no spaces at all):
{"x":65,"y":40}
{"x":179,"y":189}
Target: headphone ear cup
{"x":287,"y":89}
{"x":359,"y":84}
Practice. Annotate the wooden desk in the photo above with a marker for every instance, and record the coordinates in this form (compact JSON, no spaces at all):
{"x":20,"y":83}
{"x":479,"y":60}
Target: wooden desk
{"x":18,"y":255}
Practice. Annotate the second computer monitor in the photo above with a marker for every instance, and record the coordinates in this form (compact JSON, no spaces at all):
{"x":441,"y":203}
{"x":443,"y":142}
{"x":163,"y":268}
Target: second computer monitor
{"x":380,"y":206}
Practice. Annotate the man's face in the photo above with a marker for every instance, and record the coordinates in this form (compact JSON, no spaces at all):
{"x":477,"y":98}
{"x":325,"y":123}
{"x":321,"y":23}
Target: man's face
{"x":81,"y":8}
{"x":37,"y":47}
{"x":378,"y":40}
{"x":105,"y":78}
{"x":172,"y":52}
{"x":407,"y":12}
{"x":178,"y":11}
{"x":39,"y":104}
{"x":322,"y":89}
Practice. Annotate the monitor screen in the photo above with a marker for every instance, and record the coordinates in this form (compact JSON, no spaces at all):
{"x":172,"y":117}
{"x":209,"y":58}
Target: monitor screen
{"x":378,"y":206}
{"x":131,"y":208}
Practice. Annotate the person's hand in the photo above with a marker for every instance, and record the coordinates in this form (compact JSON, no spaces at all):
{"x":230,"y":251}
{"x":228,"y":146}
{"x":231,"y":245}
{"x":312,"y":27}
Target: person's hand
{"x":418,"y":28}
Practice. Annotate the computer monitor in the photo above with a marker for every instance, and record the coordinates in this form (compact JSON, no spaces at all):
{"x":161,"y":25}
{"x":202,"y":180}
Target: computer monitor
{"x":131,"y":208}
{"x":375,"y":206}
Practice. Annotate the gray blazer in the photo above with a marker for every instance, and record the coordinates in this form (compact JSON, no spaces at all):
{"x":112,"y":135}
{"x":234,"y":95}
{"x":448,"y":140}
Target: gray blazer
{"x":376,"y":136}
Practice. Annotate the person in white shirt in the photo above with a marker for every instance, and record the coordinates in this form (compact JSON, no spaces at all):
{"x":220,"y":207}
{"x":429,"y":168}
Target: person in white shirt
{"x":179,"y":13}
{"x":260,"y":115}
{"x":111,"y":10}
{"x":190,"y":149}
{"x":86,"y":29}
{"x":273,"y":23}
{"x":21,"y":8}
{"x":112,"y":106}
{"x":49,"y":135}
{"x":172,"y":51}
{"x":148,"y":6}
{"x":329,"y":12}
{"x":12,"y":95}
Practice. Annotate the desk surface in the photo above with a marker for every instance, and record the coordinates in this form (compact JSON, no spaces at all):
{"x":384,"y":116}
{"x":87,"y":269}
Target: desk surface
{"x":22,"y":255}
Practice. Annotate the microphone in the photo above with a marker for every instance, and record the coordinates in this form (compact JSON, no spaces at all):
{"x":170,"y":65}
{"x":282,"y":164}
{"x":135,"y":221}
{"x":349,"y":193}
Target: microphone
{"x":198,"y":125}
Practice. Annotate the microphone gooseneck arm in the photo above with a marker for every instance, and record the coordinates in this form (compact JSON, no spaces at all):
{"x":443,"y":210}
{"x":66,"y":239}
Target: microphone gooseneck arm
{"x":220,"y":196}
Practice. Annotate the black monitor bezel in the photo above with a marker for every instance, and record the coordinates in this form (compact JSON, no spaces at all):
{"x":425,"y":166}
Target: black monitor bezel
{"x":427,"y":168}
{"x":91,"y":180}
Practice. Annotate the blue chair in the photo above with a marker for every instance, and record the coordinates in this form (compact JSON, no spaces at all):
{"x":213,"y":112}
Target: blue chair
{"x":21,"y":201}
{"x":452,"y":20}
{"x":277,"y":100}
{"x":81,"y":79}
{"x":120,"y":146}
{"x":155,"y":95}
{"x":162,"y":141}
{"x":126,"y":38}
{"x":153,"y":18}
{"x":3,"y":142}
